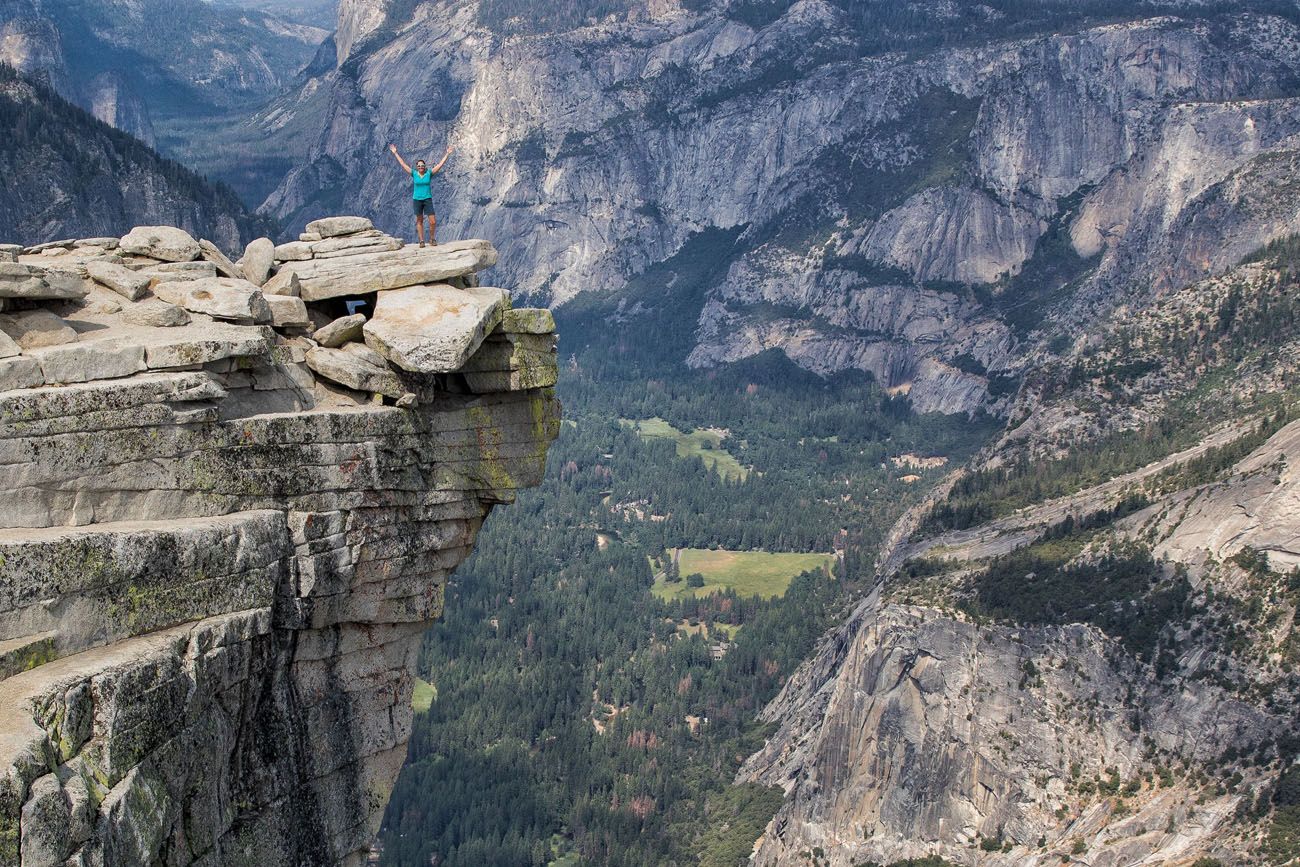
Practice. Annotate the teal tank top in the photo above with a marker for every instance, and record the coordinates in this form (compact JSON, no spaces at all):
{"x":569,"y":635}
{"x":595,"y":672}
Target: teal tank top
{"x":421,"y":191}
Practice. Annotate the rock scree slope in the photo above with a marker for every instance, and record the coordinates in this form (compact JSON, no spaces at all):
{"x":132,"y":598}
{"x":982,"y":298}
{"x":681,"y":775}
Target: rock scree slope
{"x":223,"y":537}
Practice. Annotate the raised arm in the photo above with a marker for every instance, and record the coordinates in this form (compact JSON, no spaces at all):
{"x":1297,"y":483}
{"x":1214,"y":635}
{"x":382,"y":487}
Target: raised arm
{"x":445,"y":157}
{"x":406,"y":168}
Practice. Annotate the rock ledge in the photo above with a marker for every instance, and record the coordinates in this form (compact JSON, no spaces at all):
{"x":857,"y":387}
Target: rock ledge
{"x":221,"y":541}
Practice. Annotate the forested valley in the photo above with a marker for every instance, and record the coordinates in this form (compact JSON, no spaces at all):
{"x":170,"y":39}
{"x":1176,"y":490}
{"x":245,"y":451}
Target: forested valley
{"x":580,"y":718}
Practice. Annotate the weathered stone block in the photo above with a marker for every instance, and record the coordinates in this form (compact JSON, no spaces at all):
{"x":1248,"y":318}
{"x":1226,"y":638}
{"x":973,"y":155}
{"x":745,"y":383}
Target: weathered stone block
{"x":40,"y":284}
{"x":353,"y":372}
{"x":131,"y":285}
{"x":342,"y":330}
{"x":218,"y":297}
{"x":433,"y":329}
{"x":528,"y":320}
{"x":90,"y":359}
{"x":226,"y":268}
{"x":287,"y":311}
{"x":156,"y":314}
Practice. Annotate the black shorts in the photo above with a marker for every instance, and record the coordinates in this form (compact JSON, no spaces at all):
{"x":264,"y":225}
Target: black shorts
{"x":424,"y":206}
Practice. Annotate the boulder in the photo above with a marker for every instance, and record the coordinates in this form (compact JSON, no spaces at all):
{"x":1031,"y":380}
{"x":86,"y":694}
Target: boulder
{"x":294,"y":251}
{"x":287,"y":311}
{"x":434,"y":329}
{"x":333,"y":227}
{"x":396,"y":269}
{"x":156,"y":314}
{"x":34,"y":329}
{"x":218,"y":297}
{"x":212,"y":253}
{"x":37,"y":283}
{"x":161,"y":242}
{"x":283,"y":283}
{"x":345,"y":329}
{"x":10,"y":252}
{"x":8,"y":348}
{"x":259,"y":258}
{"x":354,"y":372}
{"x":309,"y":236}
{"x":89,"y":360}
{"x":131,"y":285}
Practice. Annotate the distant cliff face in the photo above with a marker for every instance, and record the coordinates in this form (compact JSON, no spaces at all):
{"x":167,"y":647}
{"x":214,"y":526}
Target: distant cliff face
{"x":228,"y":513}
{"x":913,"y":215}
{"x":1088,"y":645}
{"x":71,"y":175}
{"x":128,"y":61}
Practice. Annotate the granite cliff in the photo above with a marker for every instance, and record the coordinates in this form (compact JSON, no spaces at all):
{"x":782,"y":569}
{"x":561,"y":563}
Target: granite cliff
{"x":232,"y":494}
{"x":875,"y":199}
{"x":1083,"y":647}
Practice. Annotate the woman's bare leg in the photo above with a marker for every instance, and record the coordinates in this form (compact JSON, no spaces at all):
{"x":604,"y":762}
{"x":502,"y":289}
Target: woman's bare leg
{"x":419,"y":230}
{"x":433,"y":228}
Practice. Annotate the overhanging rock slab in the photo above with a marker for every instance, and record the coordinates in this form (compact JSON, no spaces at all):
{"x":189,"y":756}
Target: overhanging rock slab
{"x":434,"y":329}
{"x":375,"y":272}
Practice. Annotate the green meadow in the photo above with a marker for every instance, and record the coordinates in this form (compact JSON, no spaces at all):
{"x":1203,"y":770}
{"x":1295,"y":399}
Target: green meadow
{"x":703,"y":444}
{"x":749,"y":573}
{"x":423,"y":695}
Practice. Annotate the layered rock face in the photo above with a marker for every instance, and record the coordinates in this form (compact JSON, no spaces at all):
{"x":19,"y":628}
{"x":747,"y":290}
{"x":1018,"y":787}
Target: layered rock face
{"x":867,"y":192}
{"x":1020,"y":724}
{"x":224,"y":537}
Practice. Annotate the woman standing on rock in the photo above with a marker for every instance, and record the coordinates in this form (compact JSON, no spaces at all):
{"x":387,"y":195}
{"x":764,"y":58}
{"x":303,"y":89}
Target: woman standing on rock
{"x":421,"y":195}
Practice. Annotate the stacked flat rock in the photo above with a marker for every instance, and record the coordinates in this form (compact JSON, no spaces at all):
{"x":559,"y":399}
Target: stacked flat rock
{"x":104,"y":308}
{"x":518,"y":355}
{"x":34,"y":282}
{"x":329,"y":267}
{"x":220,"y":260}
